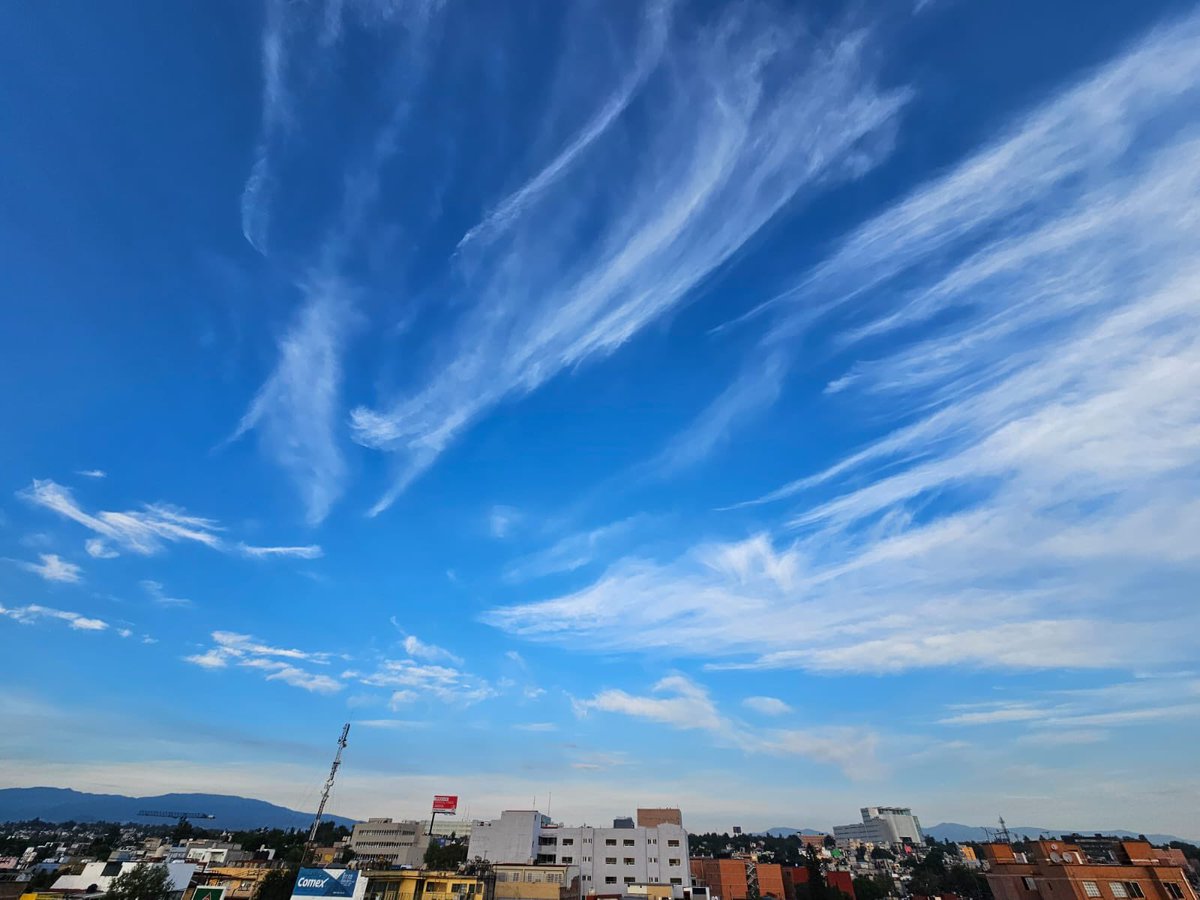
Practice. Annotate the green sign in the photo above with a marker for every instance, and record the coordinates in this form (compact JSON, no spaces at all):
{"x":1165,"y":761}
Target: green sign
{"x":208,"y":892}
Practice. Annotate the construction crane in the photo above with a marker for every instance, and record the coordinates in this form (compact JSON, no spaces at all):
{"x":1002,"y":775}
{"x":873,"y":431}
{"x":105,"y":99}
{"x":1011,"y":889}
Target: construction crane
{"x":174,"y":814}
{"x":337,"y":761}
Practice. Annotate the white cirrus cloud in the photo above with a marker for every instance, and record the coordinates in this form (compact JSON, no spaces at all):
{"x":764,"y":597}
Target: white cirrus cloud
{"x":1026,"y":327}
{"x":284,"y":664}
{"x":682,"y":703}
{"x":28,"y":615}
{"x":98,"y":549}
{"x":92,"y":473}
{"x":744,"y":130}
{"x":295,"y":410}
{"x":54,"y":568}
{"x":419,"y":649}
{"x":413,"y":681}
{"x":767,"y":706}
{"x":305,"y":551}
{"x":144,"y":531}
{"x":158,"y":594}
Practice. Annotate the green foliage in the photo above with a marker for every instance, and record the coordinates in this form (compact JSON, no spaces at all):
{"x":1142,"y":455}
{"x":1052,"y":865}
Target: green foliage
{"x":277,"y":885}
{"x":873,"y":887}
{"x":882,"y":853}
{"x":144,"y":881}
{"x":445,"y":857}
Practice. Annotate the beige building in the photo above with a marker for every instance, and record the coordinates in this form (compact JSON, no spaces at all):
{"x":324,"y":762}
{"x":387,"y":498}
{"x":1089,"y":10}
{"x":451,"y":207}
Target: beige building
{"x":515,"y":881}
{"x":652,"y":818}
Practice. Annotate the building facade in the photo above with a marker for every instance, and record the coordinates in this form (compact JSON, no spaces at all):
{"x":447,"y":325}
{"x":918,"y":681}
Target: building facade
{"x":382,"y":842}
{"x":609,"y":859}
{"x":415,"y":884}
{"x":1058,"y":870}
{"x":663,"y":815}
{"x":883,"y":825}
{"x":516,"y":881}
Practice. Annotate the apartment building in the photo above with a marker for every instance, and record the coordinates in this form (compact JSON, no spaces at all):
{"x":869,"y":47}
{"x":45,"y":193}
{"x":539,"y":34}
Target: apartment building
{"x":609,"y":859}
{"x":1058,"y":870}
{"x":883,"y":825}
{"x":384,"y":842}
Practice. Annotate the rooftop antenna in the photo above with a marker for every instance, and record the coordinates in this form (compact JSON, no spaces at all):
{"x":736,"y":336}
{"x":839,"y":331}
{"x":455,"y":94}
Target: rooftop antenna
{"x":337,"y":761}
{"x":1005,"y":837}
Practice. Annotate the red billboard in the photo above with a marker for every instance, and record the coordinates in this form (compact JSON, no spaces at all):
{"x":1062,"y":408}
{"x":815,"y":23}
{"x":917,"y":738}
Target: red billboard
{"x":446,"y":803}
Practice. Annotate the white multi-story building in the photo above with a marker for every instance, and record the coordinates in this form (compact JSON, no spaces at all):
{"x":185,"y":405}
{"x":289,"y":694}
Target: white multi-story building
{"x":394,"y":843}
{"x":883,"y":825}
{"x":609,"y":859}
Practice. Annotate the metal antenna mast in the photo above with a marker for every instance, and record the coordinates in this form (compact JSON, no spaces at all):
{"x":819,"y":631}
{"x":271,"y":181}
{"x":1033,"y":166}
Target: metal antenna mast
{"x":337,"y":761}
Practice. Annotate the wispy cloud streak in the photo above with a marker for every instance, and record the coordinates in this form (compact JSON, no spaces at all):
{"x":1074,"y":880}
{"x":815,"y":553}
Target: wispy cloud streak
{"x":1048,"y":410}
{"x":740,"y":132}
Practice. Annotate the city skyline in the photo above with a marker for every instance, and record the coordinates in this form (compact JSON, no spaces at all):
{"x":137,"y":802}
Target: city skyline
{"x":775,"y":408}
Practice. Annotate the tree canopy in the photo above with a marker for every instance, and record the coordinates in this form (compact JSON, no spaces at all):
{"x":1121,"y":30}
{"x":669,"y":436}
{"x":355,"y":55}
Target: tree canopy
{"x":276,"y":885}
{"x":145,"y":881}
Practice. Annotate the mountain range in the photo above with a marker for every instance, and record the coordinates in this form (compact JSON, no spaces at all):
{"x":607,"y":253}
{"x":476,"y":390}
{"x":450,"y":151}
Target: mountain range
{"x":961,"y":833}
{"x":953,"y":831}
{"x":63,"y":805}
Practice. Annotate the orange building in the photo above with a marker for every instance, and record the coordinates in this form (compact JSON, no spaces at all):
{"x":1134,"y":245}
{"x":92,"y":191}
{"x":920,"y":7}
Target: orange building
{"x":652,"y":818}
{"x":773,"y":882}
{"x":1056,"y":870}
{"x":842,"y":881}
{"x":724,"y":877}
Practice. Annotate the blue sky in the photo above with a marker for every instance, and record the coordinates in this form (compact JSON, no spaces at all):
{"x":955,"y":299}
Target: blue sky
{"x":767,"y":409}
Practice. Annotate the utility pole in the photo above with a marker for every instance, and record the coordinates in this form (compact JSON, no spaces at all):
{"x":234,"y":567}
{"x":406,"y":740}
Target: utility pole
{"x":337,"y":761}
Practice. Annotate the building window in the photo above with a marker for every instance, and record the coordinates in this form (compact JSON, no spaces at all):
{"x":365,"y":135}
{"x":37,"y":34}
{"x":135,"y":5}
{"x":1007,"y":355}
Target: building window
{"x":610,"y":879}
{"x":629,"y":879}
{"x":1174,"y":890}
{"x":567,"y":859}
{"x":1091,"y":889}
{"x":587,"y":859}
{"x":610,"y":860}
{"x":630,"y":861}
{"x":673,"y":862}
{"x":1030,"y":884}
{"x":676,"y":881}
{"x":568,"y":842}
{"x":1134,"y":889}
{"x":672,"y":843}
{"x":1118,"y":890}
{"x":610,"y":842}
{"x":627,"y":842}
{"x":547,"y":841}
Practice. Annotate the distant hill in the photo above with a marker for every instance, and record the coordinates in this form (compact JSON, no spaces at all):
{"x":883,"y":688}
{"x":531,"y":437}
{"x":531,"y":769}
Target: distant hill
{"x":952,"y":831}
{"x":63,"y":804}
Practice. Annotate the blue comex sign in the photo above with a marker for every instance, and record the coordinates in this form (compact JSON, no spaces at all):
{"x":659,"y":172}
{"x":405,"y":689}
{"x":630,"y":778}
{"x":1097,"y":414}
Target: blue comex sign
{"x":326,"y":883}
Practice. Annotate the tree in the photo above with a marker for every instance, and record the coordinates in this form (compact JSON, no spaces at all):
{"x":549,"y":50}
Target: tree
{"x":860,"y":853}
{"x":830,"y":842}
{"x":882,"y":853}
{"x":277,"y":885}
{"x":145,"y":881}
{"x":873,"y":887}
{"x":445,"y":857}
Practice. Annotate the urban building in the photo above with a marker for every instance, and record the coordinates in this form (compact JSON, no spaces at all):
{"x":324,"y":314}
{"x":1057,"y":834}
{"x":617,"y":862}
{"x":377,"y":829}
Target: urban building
{"x":517,"y":881}
{"x":384,"y":842}
{"x":417,"y":884}
{"x":738,"y":879}
{"x":609,"y":859}
{"x":1059,"y":870}
{"x":652,"y":818}
{"x":240,"y":882}
{"x":96,"y":877}
{"x":883,"y":825}
{"x":725,"y":878}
